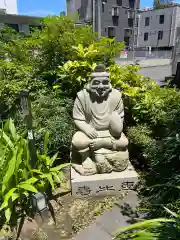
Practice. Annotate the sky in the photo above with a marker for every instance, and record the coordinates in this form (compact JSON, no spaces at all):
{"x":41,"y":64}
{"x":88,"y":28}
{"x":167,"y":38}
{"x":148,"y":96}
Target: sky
{"x":45,"y":7}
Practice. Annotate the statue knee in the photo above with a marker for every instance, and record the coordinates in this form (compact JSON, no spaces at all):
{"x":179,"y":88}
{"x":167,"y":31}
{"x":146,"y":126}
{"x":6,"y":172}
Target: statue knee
{"x":122,"y":142}
{"x":80,"y":141}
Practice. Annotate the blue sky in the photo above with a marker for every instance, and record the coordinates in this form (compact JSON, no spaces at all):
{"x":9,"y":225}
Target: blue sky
{"x":45,"y":7}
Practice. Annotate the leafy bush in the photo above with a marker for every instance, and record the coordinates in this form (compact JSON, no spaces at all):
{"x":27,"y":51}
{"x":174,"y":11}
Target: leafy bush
{"x":59,"y":54}
{"x":52,"y":112}
{"x":160,"y":228}
{"x":18,"y":179}
{"x":14,"y":78}
{"x":157,"y":138}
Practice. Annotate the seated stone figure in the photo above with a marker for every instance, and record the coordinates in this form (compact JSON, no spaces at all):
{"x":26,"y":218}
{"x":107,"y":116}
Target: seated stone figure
{"x":99,"y":145}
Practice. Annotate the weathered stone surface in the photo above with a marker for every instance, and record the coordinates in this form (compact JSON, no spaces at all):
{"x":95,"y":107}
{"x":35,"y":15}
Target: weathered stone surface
{"x":103,"y":184}
{"x":29,"y":229}
{"x":106,"y":225}
{"x":99,"y":145}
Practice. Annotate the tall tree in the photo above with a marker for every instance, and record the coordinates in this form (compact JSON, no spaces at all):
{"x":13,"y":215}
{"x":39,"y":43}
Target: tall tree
{"x":157,"y":4}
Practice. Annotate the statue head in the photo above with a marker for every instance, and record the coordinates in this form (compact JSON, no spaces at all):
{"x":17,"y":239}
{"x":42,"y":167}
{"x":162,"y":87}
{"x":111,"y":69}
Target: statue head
{"x":100,"y":84}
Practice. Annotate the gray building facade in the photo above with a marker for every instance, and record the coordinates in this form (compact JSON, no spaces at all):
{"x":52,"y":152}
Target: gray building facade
{"x":117,"y":16}
{"x":118,"y":20}
{"x":20,"y":23}
{"x":83,"y":8}
{"x":158,"y":28}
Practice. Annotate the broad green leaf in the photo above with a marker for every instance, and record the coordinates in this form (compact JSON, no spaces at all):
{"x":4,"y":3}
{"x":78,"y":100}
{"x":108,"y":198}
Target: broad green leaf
{"x":25,"y":174}
{"x":139,"y":235}
{"x":50,"y":179}
{"x":15,"y":196}
{"x":8,"y":213}
{"x":12,"y":129}
{"x":54,"y":158}
{"x":19,"y":158}
{"x":60,"y":167}
{"x":56,"y":177}
{"x":36,"y":171}
{"x":26,"y":193}
{"x":172,"y":213}
{"x":144,"y":224}
{"x":11,"y":169}
{"x":30,"y":181}
{"x":8,"y":140}
{"x":28,"y":187}
{"x":6,"y":197}
{"x":61,"y":176}
{"x":48,"y":176}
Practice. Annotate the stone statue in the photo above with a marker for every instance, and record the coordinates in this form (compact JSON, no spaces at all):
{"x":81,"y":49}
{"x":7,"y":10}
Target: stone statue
{"x":99,"y":145}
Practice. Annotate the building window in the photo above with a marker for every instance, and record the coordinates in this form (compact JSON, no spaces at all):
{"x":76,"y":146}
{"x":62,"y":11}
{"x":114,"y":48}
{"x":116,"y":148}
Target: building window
{"x":115,"y":11}
{"x":119,"y":2}
{"x":135,"y":40}
{"x":79,"y":13}
{"x":137,"y":22}
{"x":131,"y":14}
{"x":127,"y":41}
{"x":146,"y":36}
{"x":115,"y":21}
{"x":103,"y":7}
{"x":2,"y":11}
{"x":147,"y":19}
{"x":161,"y":19}
{"x":130,"y":22}
{"x":111,"y":32}
{"x":128,"y":32}
{"x":160,"y":35}
{"x":105,"y":30}
{"x":131,"y":3}
{"x":13,"y":26}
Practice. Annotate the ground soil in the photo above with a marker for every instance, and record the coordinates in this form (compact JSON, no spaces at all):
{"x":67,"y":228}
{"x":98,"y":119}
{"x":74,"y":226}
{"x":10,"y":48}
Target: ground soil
{"x":72,"y":215}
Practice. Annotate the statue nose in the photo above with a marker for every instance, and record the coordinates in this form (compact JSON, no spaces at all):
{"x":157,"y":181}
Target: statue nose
{"x":100,"y":85}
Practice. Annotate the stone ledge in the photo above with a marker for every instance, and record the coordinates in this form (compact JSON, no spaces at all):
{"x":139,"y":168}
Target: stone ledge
{"x":103,"y":184}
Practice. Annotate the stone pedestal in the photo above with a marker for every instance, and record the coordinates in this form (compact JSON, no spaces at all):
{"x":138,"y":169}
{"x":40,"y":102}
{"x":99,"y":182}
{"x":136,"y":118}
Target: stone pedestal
{"x":103,"y":184}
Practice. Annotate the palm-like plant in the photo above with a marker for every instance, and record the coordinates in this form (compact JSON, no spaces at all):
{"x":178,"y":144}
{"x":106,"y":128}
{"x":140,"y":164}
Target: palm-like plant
{"x":155,"y":229}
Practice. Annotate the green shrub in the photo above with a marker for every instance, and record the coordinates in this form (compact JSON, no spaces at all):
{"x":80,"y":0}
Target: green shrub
{"x":18,"y":179}
{"x":52,"y":112}
{"x":160,"y":228}
{"x":15,"y":77}
{"x":159,"y":143}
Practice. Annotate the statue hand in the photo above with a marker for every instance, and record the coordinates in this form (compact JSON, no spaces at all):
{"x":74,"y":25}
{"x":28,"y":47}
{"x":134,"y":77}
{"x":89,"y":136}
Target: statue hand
{"x":92,"y":133}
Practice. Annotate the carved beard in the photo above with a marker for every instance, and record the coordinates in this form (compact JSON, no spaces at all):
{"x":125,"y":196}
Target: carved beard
{"x":100,"y":93}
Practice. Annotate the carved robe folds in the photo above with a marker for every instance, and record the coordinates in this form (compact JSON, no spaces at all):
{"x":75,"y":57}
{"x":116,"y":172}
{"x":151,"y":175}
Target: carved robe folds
{"x":99,"y":145}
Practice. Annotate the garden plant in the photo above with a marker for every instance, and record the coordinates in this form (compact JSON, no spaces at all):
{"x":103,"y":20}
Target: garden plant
{"x":53,"y":64}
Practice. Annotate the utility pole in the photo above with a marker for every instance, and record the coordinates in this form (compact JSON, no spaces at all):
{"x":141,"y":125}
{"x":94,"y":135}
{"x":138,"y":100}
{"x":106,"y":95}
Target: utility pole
{"x":135,"y":10}
{"x":97,"y":15}
{"x":94,"y":14}
{"x":99,"y":5}
{"x":134,"y":31}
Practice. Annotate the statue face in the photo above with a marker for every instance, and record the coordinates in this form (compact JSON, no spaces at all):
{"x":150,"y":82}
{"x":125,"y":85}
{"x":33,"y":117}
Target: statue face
{"x":100,"y":86}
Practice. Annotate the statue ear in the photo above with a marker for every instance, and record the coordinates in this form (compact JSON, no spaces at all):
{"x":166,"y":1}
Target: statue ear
{"x":87,"y":86}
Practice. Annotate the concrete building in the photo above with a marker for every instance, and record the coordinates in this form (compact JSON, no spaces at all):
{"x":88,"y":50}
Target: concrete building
{"x":158,"y":28}
{"x":83,"y":8}
{"x":118,"y":20}
{"x":20,"y":23}
{"x":117,"y":16}
{"x":8,"y":6}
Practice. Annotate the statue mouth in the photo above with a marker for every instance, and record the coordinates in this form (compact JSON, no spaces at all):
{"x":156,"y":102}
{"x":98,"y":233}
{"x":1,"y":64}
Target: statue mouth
{"x":100,"y":92}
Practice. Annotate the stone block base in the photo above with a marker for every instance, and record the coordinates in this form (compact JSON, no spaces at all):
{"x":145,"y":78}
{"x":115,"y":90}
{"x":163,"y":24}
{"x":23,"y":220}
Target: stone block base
{"x":103,"y":184}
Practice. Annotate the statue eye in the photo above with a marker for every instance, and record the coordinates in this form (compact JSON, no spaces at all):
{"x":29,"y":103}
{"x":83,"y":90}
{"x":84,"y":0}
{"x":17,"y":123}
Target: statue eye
{"x":96,"y":82}
{"x":105,"y":82}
